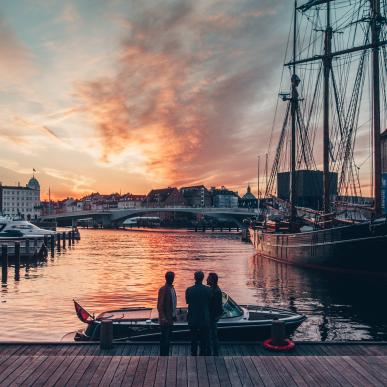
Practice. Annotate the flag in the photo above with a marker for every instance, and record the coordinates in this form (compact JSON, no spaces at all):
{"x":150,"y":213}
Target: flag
{"x":82,"y":313}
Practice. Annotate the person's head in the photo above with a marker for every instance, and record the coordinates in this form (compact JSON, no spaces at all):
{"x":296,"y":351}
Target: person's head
{"x":212,"y":279}
{"x":199,"y":276}
{"x":169,"y":277}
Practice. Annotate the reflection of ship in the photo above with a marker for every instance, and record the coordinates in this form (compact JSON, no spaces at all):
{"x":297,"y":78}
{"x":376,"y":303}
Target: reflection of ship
{"x":239,"y":322}
{"x":333,"y":51}
{"x":338,"y":307}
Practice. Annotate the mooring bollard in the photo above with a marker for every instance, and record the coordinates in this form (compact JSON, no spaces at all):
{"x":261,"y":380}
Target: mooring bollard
{"x":17,"y":261}
{"x":106,"y":335}
{"x":52,"y":245}
{"x":64,"y":239}
{"x":4,"y":263}
{"x":278,"y":334}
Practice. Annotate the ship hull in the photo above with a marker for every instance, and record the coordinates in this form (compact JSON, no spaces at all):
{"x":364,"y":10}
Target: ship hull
{"x":360,"y":247}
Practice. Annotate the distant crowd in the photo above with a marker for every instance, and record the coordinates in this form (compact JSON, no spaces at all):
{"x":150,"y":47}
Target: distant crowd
{"x":205,"y":308}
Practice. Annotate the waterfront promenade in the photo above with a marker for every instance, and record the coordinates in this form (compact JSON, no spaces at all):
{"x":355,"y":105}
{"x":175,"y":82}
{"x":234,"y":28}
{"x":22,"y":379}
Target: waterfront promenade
{"x":240,"y":364}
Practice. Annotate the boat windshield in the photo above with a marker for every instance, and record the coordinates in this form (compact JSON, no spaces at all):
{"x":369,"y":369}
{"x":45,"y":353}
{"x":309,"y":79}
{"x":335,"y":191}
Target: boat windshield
{"x":230,"y":307}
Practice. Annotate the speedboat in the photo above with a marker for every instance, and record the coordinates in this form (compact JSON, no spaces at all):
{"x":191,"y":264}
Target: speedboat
{"x":15,"y":228}
{"x":238,"y":323}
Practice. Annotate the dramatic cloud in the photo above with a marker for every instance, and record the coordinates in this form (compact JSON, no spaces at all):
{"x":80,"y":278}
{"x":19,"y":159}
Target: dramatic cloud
{"x":15,"y":57}
{"x":188,"y":96}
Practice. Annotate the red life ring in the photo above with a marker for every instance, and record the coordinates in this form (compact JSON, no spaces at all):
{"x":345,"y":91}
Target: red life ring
{"x":287,"y":347}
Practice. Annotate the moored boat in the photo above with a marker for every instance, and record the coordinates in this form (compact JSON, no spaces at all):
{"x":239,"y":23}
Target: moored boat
{"x":238,"y":323}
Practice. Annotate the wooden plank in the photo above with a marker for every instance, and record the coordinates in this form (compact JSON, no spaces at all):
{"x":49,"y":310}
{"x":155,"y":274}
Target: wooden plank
{"x":77,"y":375}
{"x":242,"y":372}
{"x":297,"y":363}
{"x":171,"y":371}
{"x":109,"y":372}
{"x":330,"y":373}
{"x":23,"y":371}
{"x":99,"y":372}
{"x":232,"y":372}
{"x":252,"y":371}
{"x":291,"y":369}
{"x":10,"y":365}
{"x":222,"y":371}
{"x":90,"y":371}
{"x":39,"y":370}
{"x":161,"y":371}
{"x":142,"y":366}
{"x":120,"y":371}
{"x":212,"y":373}
{"x":365,"y":372}
{"x":378,"y":368}
{"x":272,"y":370}
{"x":192,"y":372}
{"x":347,"y":372}
{"x":42,"y":379}
{"x":130,"y":371}
{"x":70,"y":370}
{"x":202,"y":371}
{"x":150,"y":374}
{"x":181,"y":373}
{"x":61,"y":369}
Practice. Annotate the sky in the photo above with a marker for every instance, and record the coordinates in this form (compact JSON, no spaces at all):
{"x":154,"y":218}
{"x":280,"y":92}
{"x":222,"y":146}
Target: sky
{"x":128,"y":95}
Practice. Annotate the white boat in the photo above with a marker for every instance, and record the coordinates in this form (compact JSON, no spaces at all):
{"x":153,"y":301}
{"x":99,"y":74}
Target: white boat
{"x":15,"y":228}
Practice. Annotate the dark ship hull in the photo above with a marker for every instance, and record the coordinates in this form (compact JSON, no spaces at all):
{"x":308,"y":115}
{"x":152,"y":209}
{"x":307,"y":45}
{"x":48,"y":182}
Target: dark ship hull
{"x":359,"y":247}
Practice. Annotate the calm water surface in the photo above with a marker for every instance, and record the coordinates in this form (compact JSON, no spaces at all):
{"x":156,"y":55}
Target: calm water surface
{"x":114,"y":269}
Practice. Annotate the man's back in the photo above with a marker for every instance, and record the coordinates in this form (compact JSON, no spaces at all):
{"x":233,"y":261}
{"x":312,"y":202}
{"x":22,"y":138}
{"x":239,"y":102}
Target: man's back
{"x":198,"y":298}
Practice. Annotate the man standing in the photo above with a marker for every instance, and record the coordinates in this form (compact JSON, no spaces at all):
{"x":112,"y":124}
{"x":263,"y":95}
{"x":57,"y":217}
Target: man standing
{"x":198,"y":298}
{"x":166,"y":306}
{"x":216,"y":311}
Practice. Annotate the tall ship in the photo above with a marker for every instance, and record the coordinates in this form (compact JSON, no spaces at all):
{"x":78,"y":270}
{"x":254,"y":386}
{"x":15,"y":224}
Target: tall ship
{"x":334,"y":114}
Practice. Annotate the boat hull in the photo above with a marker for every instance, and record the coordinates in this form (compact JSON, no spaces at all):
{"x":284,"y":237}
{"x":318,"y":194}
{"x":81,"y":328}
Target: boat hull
{"x":226,"y":332}
{"x":360,"y":247}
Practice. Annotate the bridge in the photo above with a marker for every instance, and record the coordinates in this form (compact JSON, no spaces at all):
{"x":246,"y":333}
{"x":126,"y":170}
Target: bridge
{"x":115,"y":216}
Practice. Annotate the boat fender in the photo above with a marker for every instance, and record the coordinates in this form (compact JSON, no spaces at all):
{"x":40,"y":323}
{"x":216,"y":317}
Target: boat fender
{"x":288,"y":346}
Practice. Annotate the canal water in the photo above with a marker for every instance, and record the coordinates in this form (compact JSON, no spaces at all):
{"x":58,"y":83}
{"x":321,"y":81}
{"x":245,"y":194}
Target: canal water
{"x":110,"y":269}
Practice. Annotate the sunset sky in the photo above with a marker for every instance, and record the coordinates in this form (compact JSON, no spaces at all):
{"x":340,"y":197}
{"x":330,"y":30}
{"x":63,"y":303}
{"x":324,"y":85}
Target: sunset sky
{"x":126,"y":95}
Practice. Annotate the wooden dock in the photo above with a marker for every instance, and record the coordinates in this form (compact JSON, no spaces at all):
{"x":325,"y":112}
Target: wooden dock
{"x":240,"y":364}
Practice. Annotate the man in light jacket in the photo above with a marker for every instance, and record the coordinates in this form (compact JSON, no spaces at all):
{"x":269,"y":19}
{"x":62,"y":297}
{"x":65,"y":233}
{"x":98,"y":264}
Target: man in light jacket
{"x":166,"y":306}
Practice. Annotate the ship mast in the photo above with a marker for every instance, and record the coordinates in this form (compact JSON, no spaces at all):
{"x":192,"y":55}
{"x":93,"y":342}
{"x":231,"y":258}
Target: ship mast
{"x":328,"y":55}
{"x":327,"y":65}
{"x":375,"y":33}
{"x":293,"y":112}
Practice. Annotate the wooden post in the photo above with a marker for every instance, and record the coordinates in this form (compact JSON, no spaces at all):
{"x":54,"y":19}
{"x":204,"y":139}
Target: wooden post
{"x":237,"y":228}
{"x":58,"y":241}
{"x":17,"y":261}
{"x":213,"y":229}
{"x":221,"y":229}
{"x":4,"y":263}
{"x":73,"y":235}
{"x":106,"y":335}
{"x":45,"y":240}
{"x":229,"y":229}
{"x":69,"y":236}
{"x":27,"y":247}
{"x":64,"y":239}
{"x":52,"y":244}
{"x":204,"y":228}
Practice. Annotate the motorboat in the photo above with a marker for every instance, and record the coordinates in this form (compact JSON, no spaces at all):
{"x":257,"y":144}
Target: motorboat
{"x":30,"y":237}
{"x":238,"y":323}
{"x":15,"y":228}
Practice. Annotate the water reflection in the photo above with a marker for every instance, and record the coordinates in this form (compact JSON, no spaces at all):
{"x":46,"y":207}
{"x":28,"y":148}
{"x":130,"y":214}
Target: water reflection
{"x":339,"y":307}
{"x":115,"y":268}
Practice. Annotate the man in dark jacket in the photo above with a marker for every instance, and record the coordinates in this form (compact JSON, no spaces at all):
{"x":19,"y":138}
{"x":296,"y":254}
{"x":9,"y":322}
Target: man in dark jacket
{"x":198,"y":298}
{"x":166,"y":306}
{"x":216,"y":311}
